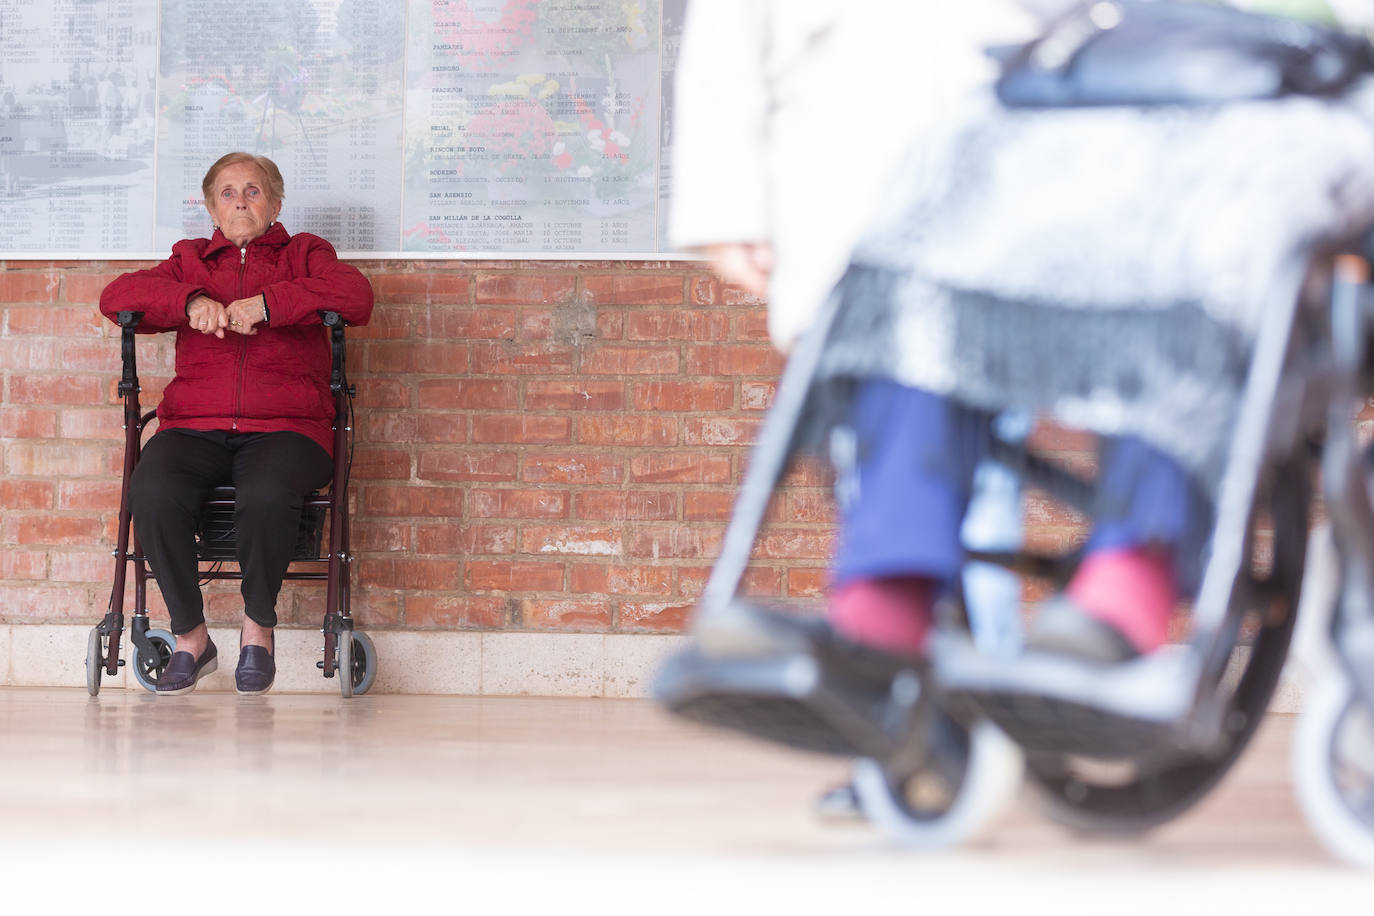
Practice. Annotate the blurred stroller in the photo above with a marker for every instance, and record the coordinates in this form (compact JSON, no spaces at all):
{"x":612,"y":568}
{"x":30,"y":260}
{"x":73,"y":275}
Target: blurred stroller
{"x":1042,"y":260}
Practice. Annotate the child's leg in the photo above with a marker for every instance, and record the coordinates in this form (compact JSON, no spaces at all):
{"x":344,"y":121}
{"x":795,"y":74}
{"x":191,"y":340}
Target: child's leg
{"x":1128,"y":578}
{"x":891,"y":612}
{"x":902,"y":505}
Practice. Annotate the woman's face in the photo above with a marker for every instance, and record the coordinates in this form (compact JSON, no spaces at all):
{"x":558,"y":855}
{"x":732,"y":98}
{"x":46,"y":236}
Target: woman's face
{"x":240,"y":203}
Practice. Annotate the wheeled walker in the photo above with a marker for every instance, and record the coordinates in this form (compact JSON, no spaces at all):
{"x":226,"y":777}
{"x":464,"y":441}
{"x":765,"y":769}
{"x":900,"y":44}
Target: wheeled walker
{"x":347,"y":653}
{"x":942,"y":742}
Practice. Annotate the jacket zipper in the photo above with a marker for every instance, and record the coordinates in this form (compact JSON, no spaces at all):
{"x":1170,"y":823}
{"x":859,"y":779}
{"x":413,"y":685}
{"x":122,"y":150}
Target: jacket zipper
{"x":243,"y":346}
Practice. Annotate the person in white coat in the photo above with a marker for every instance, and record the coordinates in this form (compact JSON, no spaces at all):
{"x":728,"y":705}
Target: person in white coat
{"x":789,"y":117}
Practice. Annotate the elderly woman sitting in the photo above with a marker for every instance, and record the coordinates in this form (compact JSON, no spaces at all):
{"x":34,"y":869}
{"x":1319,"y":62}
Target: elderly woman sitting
{"x":249,"y":406}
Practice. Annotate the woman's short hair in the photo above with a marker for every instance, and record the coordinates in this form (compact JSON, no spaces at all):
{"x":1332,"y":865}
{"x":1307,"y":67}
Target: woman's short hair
{"x":276,"y":188}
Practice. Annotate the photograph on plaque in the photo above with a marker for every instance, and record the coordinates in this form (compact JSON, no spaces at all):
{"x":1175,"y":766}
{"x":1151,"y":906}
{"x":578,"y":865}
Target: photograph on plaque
{"x":315,"y":85}
{"x":77,"y":124}
{"x":532,"y":126}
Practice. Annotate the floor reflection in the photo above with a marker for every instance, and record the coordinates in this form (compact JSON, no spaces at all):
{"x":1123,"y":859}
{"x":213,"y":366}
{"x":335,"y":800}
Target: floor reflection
{"x":595,"y":777}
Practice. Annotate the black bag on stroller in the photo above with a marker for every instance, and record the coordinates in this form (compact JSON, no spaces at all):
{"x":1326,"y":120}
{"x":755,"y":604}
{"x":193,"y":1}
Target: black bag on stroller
{"x":1155,"y":52}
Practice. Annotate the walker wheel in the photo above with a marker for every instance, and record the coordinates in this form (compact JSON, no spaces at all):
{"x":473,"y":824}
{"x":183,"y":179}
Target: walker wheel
{"x":1333,"y":768}
{"x":95,"y":661}
{"x":343,"y":664}
{"x":950,"y":800}
{"x":148,"y":669}
{"x":357,"y":663}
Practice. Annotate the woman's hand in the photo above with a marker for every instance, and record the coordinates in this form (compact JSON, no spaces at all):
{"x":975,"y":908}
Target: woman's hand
{"x":240,"y":316}
{"x":748,"y":264}
{"x":207,"y":316}
{"x":244,"y":314}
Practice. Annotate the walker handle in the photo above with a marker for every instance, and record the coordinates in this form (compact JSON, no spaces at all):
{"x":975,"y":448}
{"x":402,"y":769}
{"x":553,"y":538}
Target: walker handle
{"x":128,"y":382}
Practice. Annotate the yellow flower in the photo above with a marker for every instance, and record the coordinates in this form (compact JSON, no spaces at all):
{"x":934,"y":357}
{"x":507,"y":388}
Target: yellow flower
{"x":634,"y":18}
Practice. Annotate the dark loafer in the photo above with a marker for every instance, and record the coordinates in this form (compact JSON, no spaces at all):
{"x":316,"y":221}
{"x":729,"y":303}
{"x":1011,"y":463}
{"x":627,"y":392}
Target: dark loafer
{"x":183,"y":671}
{"x":256,"y":671}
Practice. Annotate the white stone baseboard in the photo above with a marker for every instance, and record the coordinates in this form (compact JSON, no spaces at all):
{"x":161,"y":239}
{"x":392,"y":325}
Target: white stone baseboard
{"x":463,"y":663}
{"x":409,"y":661}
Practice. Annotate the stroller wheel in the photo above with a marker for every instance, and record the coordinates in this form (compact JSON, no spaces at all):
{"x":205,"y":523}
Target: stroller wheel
{"x":1117,"y":796}
{"x":1112,"y":794}
{"x":954,"y":796}
{"x":148,"y":668}
{"x":1333,"y":768}
{"x":95,"y":661}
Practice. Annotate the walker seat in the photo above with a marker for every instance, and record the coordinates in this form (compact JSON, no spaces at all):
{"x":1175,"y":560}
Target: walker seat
{"x":217,"y":537}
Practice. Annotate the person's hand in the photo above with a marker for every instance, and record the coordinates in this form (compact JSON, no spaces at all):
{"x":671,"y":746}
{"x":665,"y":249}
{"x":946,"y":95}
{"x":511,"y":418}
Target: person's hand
{"x":747,"y":264}
{"x":207,"y":316}
{"x":244,"y":314}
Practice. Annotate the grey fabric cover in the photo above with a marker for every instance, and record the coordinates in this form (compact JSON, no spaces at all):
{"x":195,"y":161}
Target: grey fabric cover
{"x":1108,"y":266}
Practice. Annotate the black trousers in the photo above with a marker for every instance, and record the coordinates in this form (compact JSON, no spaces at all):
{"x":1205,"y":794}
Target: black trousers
{"x":273,"y":474}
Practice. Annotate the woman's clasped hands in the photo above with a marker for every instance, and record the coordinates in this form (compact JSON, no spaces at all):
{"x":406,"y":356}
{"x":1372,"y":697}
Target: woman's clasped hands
{"x":240,"y":316}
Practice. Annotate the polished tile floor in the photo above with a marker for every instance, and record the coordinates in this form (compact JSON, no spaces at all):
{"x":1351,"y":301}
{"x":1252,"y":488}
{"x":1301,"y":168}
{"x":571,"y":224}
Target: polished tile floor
{"x":556,"y":805}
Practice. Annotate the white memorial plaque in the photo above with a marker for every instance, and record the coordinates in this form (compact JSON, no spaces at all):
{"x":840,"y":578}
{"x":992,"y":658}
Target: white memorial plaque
{"x":410,"y":128}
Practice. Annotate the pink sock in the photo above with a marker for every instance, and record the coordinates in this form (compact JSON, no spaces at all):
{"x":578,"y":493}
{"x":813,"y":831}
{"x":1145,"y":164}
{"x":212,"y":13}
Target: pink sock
{"x":1131,"y":589}
{"x":892,"y":614}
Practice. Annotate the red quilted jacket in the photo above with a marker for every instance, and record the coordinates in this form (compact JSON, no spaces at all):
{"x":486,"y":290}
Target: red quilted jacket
{"x":275,"y":380}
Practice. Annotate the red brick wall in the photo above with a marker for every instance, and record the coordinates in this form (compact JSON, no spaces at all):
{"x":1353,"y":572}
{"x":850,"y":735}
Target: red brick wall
{"x":540,"y":445}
